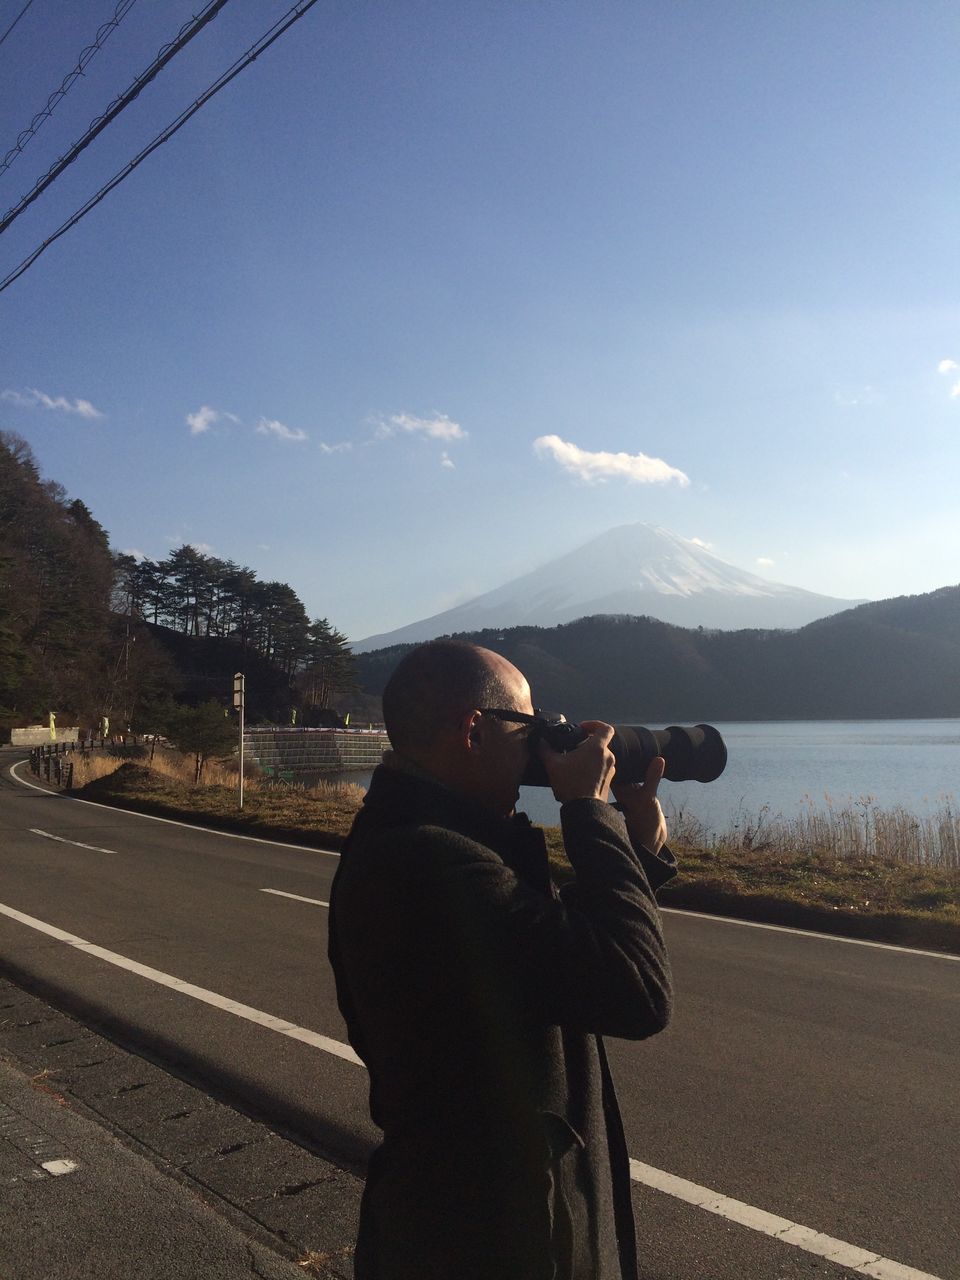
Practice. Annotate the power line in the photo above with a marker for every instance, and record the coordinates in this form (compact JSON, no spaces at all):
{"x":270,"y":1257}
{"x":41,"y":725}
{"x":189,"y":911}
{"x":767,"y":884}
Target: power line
{"x":86,"y":55}
{"x":16,"y":20}
{"x":255,"y":50}
{"x":169,"y":51}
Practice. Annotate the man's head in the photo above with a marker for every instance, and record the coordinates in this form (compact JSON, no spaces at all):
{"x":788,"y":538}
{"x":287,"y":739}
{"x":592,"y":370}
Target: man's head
{"x":433,"y":710}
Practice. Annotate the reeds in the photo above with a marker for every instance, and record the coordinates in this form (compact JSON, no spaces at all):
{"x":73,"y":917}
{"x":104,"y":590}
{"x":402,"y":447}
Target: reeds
{"x":858,"y":828}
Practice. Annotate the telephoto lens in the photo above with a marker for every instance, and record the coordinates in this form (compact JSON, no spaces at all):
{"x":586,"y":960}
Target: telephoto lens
{"x":696,"y":753}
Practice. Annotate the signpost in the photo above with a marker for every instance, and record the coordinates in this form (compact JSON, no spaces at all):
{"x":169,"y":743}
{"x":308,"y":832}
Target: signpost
{"x":239,"y":685}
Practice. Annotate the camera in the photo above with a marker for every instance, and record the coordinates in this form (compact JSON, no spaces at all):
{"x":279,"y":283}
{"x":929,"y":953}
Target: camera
{"x":694,"y":753}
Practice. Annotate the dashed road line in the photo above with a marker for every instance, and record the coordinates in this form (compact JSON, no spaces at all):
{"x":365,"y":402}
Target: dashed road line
{"x":171,"y":822}
{"x":63,"y":840}
{"x":280,"y":893}
{"x":855,"y":1258}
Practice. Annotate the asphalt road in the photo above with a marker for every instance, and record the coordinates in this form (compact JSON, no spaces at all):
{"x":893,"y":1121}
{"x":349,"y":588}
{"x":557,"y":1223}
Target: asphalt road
{"x":804,"y":1077}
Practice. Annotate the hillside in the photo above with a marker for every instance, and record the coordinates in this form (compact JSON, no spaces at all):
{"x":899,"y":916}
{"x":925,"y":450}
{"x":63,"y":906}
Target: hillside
{"x":896,"y":658}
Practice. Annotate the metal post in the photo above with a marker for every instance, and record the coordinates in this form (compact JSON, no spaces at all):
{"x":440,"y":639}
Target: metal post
{"x":238,"y":701}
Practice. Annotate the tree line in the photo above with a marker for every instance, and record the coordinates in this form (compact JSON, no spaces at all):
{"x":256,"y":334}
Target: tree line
{"x":897,"y":659}
{"x":87,"y":632}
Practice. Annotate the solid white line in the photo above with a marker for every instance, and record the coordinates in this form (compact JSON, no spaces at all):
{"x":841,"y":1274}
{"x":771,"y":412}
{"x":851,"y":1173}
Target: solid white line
{"x":867,"y":1262}
{"x":173,"y":822}
{"x":267,"y":1020}
{"x":839,"y":1251}
{"x":809,"y":933}
{"x":675,"y":911}
{"x":35,"y":831}
{"x":280,"y":894}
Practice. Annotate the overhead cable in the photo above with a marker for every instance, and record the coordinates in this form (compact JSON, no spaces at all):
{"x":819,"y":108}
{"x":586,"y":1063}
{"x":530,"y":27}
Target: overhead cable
{"x":69,"y":80}
{"x":255,"y":50}
{"x":169,"y":51}
{"x":16,"y":20}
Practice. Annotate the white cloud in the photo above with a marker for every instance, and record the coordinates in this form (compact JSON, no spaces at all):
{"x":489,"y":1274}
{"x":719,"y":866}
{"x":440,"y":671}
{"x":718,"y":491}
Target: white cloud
{"x":439,"y":427}
{"x":699,"y":542}
{"x":947,"y":366}
{"x":205,"y":417}
{"x":202,"y":420}
{"x":849,"y":397}
{"x":343,"y":447}
{"x":204,"y":548}
{"x":764,"y":561}
{"x":955,"y":391}
{"x":270,"y":427}
{"x":447,"y":461}
{"x":636,"y":468}
{"x":34,"y":399}
{"x":135,"y":552}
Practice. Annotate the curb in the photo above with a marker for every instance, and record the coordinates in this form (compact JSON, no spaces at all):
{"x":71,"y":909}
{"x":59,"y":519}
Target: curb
{"x":297,"y":1203}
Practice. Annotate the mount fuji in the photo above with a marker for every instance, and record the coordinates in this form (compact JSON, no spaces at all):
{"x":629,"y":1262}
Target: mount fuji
{"x":632,"y":569}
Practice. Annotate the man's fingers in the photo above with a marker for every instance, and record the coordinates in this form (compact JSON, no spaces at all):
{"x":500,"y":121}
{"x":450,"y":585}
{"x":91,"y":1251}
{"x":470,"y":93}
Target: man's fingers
{"x":653,"y":776}
{"x":598,"y":729}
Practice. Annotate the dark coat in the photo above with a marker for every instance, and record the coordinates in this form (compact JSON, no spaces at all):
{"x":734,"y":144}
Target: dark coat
{"x":476,"y":996}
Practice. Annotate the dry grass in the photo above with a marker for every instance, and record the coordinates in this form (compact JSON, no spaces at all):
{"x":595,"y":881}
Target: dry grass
{"x":858,"y":829}
{"x":319,"y":814}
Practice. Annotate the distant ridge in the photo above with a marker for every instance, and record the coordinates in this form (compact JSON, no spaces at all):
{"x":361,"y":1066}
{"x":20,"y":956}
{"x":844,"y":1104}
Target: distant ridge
{"x":890,"y":659}
{"x":636,"y":569}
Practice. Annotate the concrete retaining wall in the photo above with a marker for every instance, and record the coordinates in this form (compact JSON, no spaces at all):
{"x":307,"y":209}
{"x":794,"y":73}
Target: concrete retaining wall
{"x":315,"y":750}
{"x":38,"y":735}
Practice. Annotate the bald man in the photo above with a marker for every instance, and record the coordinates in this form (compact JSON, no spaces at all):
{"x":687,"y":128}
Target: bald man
{"x":477,"y":994}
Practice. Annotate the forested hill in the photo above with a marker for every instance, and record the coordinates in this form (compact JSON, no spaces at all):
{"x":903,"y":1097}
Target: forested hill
{"x":87,"y":633}
{"x":897,"y":658}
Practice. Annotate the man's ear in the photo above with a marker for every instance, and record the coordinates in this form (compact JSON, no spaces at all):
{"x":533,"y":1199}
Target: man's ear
{"x":470,"y":730}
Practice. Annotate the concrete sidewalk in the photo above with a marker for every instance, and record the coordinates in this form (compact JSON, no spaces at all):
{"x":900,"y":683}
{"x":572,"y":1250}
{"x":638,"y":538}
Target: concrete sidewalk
{"x":111,"y":1168}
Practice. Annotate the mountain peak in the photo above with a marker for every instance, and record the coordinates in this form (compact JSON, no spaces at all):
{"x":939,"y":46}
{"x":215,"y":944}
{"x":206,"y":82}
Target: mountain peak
{"x":630,"y":569}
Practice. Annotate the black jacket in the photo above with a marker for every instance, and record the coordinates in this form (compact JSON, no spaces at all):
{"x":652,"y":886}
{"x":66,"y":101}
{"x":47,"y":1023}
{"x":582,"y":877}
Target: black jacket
{"x":476,"y":996}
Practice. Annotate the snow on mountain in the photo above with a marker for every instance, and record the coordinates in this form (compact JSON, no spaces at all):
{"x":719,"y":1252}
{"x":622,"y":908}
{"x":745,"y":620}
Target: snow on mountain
{"x":633,"y":569}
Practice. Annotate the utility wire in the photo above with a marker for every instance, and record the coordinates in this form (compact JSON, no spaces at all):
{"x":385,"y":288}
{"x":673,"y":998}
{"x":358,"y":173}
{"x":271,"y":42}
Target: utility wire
{"x":16,"y":20}
{"x":255,"y":50}
{"x":169,"y":51}
{"x":69,"y":80}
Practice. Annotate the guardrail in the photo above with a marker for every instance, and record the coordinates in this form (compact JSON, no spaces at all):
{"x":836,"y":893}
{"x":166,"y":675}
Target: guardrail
{"x":50,"y":761}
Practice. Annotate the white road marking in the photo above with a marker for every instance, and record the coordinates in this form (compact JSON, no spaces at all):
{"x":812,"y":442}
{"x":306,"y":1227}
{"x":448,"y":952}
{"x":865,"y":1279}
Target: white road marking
{"x":63,"y":840}
{"x":865,"y":1261}
{"x":280,"y":894}
{"x":59,"y":1167}
{"x":173,"y":822}
{"x":280,"y":1025}
{"x":808,"y":933}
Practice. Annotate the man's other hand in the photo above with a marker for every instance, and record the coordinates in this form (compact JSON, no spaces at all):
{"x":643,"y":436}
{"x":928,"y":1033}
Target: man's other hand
{"x":646,"y":824}
{"x":586,"y":772}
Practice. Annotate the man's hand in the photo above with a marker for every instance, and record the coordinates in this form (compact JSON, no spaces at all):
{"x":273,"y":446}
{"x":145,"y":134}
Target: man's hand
{"x":585,"y":773}
{"x":646,"y":824}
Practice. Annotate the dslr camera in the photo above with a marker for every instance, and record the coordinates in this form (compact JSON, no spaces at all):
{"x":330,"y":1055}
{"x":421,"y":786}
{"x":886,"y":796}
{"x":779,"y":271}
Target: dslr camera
{"x":694,"y":753}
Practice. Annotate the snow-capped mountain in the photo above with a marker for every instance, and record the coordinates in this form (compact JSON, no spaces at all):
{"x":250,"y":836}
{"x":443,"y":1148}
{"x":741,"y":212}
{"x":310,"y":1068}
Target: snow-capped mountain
{"x":634,"y":569}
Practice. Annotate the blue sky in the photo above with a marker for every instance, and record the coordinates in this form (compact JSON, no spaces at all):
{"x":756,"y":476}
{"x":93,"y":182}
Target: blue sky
{"x":434,"y":292}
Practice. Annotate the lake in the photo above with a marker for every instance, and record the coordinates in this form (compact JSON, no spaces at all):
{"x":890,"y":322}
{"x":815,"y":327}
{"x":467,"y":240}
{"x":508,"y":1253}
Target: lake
{"x":787,"y":765}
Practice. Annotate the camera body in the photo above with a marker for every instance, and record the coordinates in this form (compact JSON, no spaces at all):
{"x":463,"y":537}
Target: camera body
{"x":693,"y":753}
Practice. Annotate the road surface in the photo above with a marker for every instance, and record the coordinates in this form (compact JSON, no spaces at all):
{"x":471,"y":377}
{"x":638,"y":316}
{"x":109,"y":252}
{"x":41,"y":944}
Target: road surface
{"x":806,"y":1091}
